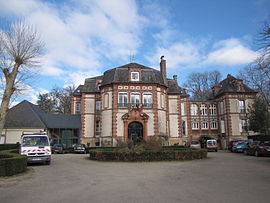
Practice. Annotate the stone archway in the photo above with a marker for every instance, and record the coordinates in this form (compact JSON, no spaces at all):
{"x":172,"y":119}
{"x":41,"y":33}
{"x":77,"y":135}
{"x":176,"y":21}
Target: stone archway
{"x":135,"y":116}
{"x":135,"y":132}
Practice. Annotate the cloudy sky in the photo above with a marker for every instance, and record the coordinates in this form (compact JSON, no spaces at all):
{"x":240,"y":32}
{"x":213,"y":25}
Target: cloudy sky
{"x":83,"y":38}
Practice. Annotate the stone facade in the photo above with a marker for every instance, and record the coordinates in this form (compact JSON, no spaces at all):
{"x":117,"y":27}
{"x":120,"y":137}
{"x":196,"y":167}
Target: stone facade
{"x":135,"y":102}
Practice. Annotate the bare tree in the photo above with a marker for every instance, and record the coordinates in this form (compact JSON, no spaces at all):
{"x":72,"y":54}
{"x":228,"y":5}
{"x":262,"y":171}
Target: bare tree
{"x":20,"y":51}
{"x":200,"y":84}
{"x":257,"y":73}
{"x":58,"y":100}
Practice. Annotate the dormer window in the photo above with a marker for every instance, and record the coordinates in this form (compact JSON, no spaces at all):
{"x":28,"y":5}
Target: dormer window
{"x":134,"y":76}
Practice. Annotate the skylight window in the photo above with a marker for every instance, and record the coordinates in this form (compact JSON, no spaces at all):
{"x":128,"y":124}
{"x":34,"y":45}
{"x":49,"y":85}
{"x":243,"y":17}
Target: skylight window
{"x":134,"y":76}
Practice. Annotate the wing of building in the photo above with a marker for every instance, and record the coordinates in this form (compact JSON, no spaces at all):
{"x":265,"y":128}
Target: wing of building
{"x":133,"y":102}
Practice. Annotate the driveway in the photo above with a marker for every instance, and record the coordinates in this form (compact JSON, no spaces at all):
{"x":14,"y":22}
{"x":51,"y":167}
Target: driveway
{"x":223,"y":177}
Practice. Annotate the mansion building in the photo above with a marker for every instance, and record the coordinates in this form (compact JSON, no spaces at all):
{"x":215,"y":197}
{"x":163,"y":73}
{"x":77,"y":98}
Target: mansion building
{"x":134,"y":102}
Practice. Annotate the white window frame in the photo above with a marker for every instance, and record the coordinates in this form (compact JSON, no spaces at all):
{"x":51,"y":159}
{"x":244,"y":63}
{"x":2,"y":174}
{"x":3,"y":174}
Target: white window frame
{"x":134,"y":79}
{"x":242,"y":107}
{"x":121,"y":98}
{"x":213,"y":125}
{"x":195,"y":125}
{"x":194,"y":109}
{"x":148,"y":98}
{"x":98,"y":105}
{"x":203,"y":109}
{"x":137,"y":97}
{"x":213,"y":109}
{"x":204,"y":125}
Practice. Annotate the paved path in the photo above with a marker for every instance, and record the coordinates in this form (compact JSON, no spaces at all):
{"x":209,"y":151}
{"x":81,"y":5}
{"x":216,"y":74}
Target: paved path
{"x":223,"y":177}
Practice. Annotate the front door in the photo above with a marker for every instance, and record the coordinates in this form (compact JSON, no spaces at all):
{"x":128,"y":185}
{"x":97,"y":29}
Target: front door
{"x":135,"y":132}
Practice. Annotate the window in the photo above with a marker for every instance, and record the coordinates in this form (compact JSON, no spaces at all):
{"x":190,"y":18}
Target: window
{"x":134,"y":76}
{"x":244,"y":126}
{"x":78,"y":108}
{"x":242,"y":108}
{"x":222,"y":124}
{"x":183,"y":110}
{"x":204,"y":125}
{"x":203,"y":109}
{"x":213,"y":109}
{"x":162,"y":101}
{"x":97,"y":128}
{"x":213,"y":125}
{"x":97,"y":106}
{"x":184,"y":128}
{"x":147,"y":100}
{"x":194,"y":109}
{"x":221,"y":107}
{"x":135,"y":98}
{"x":195,"y":125}
{"x":106,"y":101}
{"x":123,"y":99}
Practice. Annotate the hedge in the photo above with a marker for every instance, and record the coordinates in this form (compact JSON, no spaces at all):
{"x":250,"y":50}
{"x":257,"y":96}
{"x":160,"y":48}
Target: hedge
{"x":8,"y":146}
{"x":12,"y":163}
{"x":162,"y":155}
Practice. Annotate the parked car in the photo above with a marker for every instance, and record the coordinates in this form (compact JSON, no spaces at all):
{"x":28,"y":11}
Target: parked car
{"x":211,"y":145}
{"x":59,"y":148}
{"x":240,"y":147}
{"x":195,"y":144}
{"x":79,"y":148}
{"x":233,"y":143}
{"x":258,"y":149}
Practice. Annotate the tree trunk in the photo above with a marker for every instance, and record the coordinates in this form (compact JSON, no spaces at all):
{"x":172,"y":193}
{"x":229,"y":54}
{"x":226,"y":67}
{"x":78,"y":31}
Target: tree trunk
{"x":10,"y":80}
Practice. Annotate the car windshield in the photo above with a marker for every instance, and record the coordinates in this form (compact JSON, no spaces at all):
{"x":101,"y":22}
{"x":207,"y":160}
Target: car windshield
{"x":266,"y":143}
{"x":57,"y":145}
{"x":194,"y":142}
{"x":79,"y":145}
{"x":35,"y":141}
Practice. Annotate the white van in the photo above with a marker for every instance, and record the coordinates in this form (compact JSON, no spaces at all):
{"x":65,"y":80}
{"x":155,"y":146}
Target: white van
{"x":211,"y":145}
{"x":36,"y":147}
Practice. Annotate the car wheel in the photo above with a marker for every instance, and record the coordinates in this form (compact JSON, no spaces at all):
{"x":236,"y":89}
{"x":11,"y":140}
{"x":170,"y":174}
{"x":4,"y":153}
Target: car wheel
{"x":257,"y":154}
{"x":245,"y":152}
{"x":48,"y":162}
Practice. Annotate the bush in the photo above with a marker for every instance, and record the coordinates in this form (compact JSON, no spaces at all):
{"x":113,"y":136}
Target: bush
{"x":153,"y":143}
{"x":12,"y":163}
{"x":8,"y":146}
{"x":161,"y":155}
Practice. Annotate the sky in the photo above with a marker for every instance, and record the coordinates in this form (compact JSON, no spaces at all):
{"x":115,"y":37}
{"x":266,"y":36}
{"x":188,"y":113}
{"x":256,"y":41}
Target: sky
{"x":84,"y":38}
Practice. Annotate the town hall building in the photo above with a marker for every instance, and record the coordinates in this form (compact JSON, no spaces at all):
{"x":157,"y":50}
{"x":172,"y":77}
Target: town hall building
{"x":134,"y":102}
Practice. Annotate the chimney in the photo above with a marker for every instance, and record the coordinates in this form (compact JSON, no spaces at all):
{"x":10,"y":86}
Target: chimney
{"x":215,"y":89}
{"x":163,"y":67}
{"x":175,"y":78}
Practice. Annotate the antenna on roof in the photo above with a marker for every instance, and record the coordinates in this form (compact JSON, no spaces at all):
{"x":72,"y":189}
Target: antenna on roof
{"x":131,"y":56}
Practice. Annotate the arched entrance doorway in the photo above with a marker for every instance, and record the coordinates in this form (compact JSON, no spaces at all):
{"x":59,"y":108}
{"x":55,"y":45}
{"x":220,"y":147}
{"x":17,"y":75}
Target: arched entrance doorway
{"x":135,"y":132}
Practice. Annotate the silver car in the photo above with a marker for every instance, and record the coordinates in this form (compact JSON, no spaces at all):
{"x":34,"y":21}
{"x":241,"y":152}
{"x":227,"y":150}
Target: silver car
{"x":195,"y":144}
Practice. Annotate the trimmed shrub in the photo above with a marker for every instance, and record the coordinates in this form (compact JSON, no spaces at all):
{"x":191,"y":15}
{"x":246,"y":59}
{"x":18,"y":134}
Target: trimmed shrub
{"x":153,"y":143}
{"x":147,"y":155}
{"x":8,"y":146}
{"x":12,"y":163}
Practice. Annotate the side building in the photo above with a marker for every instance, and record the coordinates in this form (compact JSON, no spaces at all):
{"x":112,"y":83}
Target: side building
{"x":133,"y":102}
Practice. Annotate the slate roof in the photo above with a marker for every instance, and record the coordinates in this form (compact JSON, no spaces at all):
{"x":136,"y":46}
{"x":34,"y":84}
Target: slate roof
{"x":233,"y":85}
{"x":173,"y":88}
{"x":27,"y":115}
{"x":24,"y":115}
{"x":121,"y":75}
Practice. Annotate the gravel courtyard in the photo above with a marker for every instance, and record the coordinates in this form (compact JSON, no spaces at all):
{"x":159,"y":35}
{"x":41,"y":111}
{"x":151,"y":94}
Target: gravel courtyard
{"x":223,"y":177}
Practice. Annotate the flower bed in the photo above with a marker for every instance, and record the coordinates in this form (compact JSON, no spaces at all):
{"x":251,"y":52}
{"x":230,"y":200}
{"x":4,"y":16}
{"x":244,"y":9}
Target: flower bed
{"x":12,"y":163}
{"x":147,"y":155}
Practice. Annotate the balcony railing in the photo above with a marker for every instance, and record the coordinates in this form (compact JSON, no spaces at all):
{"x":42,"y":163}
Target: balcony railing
{"x":132,"y":105}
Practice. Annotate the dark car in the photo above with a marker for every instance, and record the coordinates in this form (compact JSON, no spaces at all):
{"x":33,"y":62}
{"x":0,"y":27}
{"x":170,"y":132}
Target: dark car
{"x":59,"y":148}
{"x":79,"y":148}
{"x":258,"y":148}
{"x":263,"y":149}
{"x":240,"y":147}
